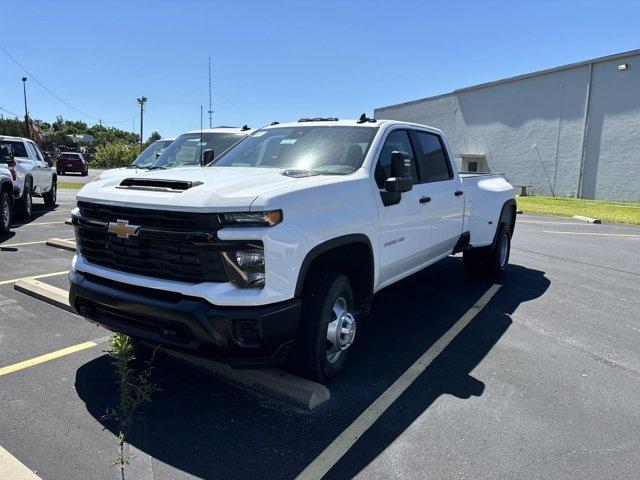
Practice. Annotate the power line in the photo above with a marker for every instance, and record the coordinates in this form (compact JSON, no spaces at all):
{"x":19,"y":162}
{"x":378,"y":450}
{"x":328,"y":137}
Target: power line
{"x":54,"y":95}
{"x":9,"y":112}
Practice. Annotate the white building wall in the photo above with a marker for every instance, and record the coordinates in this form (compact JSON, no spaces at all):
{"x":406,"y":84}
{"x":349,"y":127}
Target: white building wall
{"x":503,"y":121}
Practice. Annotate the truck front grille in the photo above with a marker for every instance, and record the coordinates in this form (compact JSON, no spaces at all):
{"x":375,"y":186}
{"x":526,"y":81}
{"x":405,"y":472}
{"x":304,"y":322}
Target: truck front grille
{"x":170,"y":245}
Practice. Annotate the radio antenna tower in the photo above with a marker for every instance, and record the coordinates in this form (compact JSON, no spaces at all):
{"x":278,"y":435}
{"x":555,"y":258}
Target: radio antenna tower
{"x":210,"y":109}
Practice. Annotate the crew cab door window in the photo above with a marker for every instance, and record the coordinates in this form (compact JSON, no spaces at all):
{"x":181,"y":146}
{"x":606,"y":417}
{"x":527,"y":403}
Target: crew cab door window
{"x":397,"y":140}
{"x":432,"y":161}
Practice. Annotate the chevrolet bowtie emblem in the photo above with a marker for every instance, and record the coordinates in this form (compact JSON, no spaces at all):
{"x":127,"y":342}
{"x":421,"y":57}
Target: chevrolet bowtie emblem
{"x":122,"y":229}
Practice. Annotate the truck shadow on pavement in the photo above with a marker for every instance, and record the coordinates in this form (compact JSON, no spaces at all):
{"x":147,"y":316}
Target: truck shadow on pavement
{"x":209,"y":429}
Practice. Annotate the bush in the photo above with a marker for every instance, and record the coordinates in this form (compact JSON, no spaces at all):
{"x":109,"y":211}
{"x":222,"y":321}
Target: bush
{"x":114,"y":155}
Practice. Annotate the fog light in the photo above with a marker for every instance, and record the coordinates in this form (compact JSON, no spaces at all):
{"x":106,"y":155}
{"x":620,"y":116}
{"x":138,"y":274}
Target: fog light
{"x":245,"y":267}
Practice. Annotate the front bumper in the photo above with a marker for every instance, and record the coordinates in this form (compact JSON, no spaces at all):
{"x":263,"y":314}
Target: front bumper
{"x":243,"y":337}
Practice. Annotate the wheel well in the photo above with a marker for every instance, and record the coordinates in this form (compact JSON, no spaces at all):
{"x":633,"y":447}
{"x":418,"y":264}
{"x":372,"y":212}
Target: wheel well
{"x":7,"y":187}
{"x":508,"y":214}
{"x":353,"y":258}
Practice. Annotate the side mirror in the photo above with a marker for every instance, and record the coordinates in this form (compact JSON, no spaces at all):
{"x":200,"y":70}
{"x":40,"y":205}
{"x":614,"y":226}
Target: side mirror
{"x":207,"y":157}
{"x":401,"y":179}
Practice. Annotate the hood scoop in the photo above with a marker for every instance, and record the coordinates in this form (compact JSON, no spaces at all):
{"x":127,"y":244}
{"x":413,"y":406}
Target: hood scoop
{"x":296,"y":173}
{"x":157,"y":185}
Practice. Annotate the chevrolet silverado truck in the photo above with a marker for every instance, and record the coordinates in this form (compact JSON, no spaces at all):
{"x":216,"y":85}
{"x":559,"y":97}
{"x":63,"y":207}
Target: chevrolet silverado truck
{"x":272,"y":254}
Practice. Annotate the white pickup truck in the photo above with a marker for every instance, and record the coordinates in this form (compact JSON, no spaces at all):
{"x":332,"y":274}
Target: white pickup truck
{"x":34,"y":176}
{"x":272,"y":254}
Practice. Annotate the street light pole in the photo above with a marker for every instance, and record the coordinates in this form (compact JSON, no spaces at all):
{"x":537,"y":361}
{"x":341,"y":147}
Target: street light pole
{"x":26,"y":112}
{"x":141,"y":101}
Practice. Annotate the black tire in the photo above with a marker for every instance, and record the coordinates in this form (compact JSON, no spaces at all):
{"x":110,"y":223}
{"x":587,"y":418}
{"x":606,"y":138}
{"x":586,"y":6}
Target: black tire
{"x":51,"y":196}
{"x":25,"y":202}
{"x":492,"y":260}
{"x":5,"y":213}
{"x":84,"y":174}
{"x":309,"y":357}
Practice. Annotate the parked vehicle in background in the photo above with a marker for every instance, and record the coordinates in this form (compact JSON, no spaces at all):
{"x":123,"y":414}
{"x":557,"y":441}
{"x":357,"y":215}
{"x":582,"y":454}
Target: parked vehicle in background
{"x":199,"y":147}
{"x":72,"y":162}
{"x":142,"y":163}
{"x":7,"y":177}
{"x":274,"y":252}
{"x":34,"y":177}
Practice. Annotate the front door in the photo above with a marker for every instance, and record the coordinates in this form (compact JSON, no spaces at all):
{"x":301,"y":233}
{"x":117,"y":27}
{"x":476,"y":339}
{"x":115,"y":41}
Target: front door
{"x":404,"y":227}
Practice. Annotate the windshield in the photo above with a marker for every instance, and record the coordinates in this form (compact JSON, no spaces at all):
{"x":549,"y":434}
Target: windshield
{"x":7,"y":147}
{"x":325,"y":149}
{"x":148,"y":155}
{"x":187,"y":148}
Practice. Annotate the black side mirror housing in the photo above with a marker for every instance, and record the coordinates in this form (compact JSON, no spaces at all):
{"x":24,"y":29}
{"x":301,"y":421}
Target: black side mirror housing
{"x":207,"y":157}
{"x":401,"y":180}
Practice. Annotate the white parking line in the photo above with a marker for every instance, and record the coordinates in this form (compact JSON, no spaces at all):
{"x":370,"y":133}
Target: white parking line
{"x":12,"y":469}
{"x":582,"y":224}
{"x":341,"y":445}
{"x":631,"y":235}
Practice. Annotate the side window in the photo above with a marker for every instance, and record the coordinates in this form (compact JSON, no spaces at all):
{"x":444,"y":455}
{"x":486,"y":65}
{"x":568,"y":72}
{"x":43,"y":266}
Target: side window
{"x":32,"y":152}
{"x":38,"y":153}
{"x":398,"y":140}
{"x":432,"y":160}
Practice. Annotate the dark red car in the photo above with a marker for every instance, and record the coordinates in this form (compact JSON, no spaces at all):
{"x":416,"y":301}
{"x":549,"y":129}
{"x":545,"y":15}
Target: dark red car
{"x":72,"y":162}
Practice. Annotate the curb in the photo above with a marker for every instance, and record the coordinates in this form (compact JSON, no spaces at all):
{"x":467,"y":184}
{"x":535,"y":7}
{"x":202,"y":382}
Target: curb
{"x":42,"y":291}
{"x":586,"y":219}
{"x":62,"y":244}
{"x":278,"y":384}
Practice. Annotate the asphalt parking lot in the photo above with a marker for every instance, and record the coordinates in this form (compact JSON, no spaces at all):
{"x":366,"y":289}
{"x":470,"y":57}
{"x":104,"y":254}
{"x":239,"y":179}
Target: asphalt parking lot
{"x":77,"y":178}
{"x":544,"y":382}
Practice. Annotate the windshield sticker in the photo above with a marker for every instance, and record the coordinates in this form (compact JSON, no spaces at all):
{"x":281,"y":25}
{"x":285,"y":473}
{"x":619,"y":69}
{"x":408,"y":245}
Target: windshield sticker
{"x":288,"y":141}
{"x":259,"y":134}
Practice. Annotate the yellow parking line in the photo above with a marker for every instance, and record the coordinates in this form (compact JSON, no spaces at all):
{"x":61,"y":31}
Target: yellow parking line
{"x":44,"y":275}
{"x":631,"y":235}
{"x":45,"y":358}
{"x":12,"y":469}
{"x":343,"y":442}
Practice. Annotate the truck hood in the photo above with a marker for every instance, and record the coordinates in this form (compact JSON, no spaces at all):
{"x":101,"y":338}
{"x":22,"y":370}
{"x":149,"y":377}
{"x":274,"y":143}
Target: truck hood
{"x":220,"y":188}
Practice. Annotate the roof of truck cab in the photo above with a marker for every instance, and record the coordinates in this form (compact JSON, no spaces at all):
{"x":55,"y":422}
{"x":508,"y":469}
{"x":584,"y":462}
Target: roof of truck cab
{"x":350,"y":123}
{"x":221,"y":130}
{"x":9,"y":137}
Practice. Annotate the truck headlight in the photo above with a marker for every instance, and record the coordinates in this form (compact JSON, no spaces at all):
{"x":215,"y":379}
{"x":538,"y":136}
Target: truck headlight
{"x":245,"y":266}
{"x":257,"y":219}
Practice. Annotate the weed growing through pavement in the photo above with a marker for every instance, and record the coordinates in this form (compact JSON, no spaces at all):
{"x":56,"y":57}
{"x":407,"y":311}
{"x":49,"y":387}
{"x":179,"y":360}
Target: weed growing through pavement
{"x":134,"y":389}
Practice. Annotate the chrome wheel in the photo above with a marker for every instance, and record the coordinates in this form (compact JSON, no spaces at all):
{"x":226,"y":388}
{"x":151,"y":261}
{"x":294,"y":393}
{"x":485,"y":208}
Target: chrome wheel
{"x":341,"y":330}
{"x":504,"y":249}
{"x":6,"y":214}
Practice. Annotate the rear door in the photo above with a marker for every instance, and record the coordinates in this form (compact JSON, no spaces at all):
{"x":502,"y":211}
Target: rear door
{"x":41,"y":178}
{"x":404,"y":228}
{"x":443,"y":186}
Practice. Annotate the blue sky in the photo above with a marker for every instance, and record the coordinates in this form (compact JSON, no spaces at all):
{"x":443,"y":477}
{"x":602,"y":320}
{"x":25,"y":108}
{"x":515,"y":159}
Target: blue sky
{"x":285,"y":59}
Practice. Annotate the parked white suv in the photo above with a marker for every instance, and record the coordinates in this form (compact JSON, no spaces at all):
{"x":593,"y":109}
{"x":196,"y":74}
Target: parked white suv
{"x":274,"y":252}
{"x":7,"y":176}
{"x":34,"y":176}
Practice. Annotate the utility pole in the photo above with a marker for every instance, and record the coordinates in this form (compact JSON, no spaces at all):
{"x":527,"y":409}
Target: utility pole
{"x":141,"y":101}
{"x":210,"y":109}
{"x":26,"y":112}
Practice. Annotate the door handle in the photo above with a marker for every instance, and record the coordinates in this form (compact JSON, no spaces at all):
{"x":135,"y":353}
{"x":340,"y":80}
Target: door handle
{"x":458,"y":193}
{"x":425,"y":199}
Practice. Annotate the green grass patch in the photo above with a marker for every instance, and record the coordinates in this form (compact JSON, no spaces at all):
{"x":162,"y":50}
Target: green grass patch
{"x":605,"y":210}
{"x":71,"y":185}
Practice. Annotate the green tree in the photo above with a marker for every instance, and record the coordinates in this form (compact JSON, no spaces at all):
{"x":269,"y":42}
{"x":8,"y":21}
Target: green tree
{"x":115,"y":154}
{"x":152,"y":138}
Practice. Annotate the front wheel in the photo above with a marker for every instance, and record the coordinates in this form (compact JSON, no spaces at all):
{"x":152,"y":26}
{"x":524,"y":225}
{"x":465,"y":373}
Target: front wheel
{"x":327,"y":328}
{"x":5,"y":213}
{"x":51,"y":196}
{"x":25,"y":202}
